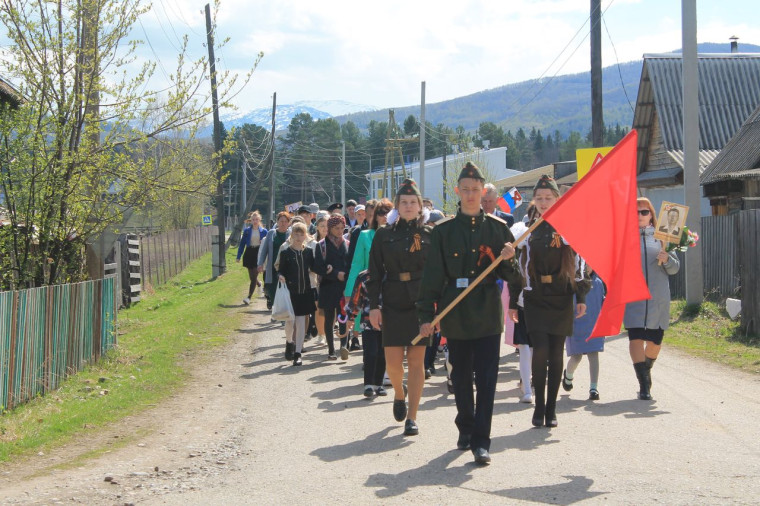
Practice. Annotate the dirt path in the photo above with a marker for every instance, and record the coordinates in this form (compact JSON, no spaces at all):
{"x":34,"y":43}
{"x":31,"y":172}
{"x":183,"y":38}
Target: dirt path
{"x":252,"y":429}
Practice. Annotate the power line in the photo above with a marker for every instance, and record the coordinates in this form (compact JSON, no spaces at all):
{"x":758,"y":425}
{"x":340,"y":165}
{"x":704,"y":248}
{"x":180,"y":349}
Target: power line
{"x":620,"y":72}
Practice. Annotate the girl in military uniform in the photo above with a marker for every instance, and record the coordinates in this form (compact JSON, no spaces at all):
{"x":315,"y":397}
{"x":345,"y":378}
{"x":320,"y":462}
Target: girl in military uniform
{"x":553,"y":273}
{"x":396,"y":260}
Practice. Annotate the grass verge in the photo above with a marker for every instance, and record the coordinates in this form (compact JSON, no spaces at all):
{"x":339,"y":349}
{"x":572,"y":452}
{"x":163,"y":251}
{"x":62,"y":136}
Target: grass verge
{"x":189,"y":314}
{"x":706,"y":331}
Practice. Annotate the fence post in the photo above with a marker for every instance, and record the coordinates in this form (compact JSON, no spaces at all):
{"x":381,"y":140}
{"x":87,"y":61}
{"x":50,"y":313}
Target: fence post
{"x":749,"y":238}
{"x":13,"y":342}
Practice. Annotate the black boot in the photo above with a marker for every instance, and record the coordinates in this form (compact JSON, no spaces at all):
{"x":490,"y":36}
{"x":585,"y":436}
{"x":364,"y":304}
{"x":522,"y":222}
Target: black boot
{"x":290,"y":349}
{"x":642,"y":373}
{"x":649,"y":362}
{"x":297,"y":359}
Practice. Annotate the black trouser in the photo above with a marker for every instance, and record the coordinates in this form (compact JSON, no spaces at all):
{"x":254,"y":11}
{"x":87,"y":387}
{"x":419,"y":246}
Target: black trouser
{"x":432,"y":351}
{"x":480,"y":355}
{"x":374,"y":357}
{"x":329,"y":322}
{"x":547,"y":355}
{"x":253,"y":275}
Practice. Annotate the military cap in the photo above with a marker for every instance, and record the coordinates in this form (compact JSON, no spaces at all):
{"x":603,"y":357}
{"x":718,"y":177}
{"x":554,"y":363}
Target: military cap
{"x":409,"y":187}
{"x":333,"y":207}
{"x":304,"y":209}
{"x":546,"y":183}
{"x":471,"y":171}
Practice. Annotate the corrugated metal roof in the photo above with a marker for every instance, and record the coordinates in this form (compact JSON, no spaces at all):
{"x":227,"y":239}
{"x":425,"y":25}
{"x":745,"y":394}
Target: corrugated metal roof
{"x":9,"y":93}
{"x":729,"y":90}
{"x":740,"y":158}
{"x":664,"y":177}
{"x":706,"y":156}
{"x":525,"y":179}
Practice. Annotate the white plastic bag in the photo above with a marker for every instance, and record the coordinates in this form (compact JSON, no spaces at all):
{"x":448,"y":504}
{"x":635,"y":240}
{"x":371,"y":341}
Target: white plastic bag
{"x":282,"y":308}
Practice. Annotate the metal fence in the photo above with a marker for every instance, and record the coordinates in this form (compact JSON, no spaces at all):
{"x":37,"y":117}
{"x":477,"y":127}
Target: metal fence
{"x":164,"y":255}
{"x":720,"y":268}
{"x":51,"y":332}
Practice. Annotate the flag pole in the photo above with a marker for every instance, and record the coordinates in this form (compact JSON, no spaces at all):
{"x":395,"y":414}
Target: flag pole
{"x":477,"y":280}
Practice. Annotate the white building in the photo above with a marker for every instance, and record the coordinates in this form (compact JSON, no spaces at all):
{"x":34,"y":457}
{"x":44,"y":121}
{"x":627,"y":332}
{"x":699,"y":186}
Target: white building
{"x":493,"y":162}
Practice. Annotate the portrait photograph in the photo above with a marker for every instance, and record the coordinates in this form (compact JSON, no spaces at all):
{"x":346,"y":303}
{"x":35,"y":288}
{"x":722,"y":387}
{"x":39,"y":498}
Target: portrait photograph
{"x":670,"y":222}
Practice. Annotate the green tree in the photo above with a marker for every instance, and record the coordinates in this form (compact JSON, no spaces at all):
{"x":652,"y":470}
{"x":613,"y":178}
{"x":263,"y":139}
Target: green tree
{"x":74,"y":154}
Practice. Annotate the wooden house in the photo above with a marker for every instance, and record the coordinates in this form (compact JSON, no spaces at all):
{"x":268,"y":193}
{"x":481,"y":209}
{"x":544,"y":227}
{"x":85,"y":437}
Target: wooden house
{"x":732,"y":181}
{"x":729,"y":90}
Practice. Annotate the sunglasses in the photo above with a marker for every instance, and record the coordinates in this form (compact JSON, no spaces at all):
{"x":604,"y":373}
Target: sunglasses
{"x":644,"y":212}
{"x":380,"y":213}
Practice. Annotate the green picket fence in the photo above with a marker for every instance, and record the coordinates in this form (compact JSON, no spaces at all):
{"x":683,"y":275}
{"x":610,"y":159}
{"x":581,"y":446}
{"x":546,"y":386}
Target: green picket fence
{"x":51,"y":332}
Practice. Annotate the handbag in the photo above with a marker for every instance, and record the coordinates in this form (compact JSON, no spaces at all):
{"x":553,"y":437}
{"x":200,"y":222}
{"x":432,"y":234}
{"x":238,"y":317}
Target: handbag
{"x":282,"y":307}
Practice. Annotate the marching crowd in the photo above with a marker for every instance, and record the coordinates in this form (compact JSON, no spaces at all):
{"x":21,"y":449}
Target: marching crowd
{"x":385,"y":270}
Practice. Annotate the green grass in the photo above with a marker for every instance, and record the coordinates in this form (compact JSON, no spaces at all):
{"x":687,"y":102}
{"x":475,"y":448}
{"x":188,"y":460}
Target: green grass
{"x":182,"y":318}
{"x":706,"y":331}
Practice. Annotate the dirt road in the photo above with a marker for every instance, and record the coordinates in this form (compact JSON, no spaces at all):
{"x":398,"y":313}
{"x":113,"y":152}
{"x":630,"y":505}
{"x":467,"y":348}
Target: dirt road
{"x":252,"y":429}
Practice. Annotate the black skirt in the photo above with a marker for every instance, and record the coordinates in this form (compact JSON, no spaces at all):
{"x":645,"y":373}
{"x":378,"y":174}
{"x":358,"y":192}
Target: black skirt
{"x":521,"y":330}
{"x":303,"y":303}
{"x":251,"y":257}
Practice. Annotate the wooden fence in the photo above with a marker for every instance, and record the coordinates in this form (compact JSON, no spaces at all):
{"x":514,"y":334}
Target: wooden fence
{"x":720,"y":273}
{"x":51,"y":332}
{"x":164,"y":255}
{"x":749,"y":244}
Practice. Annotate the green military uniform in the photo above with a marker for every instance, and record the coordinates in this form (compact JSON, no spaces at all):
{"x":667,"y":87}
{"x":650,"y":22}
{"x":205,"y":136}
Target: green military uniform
{"x":461,"y":248}
{"x":396,"y":260}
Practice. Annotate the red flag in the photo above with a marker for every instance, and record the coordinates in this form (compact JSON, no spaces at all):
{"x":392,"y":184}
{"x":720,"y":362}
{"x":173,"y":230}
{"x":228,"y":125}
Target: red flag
{"x":598,"y":219}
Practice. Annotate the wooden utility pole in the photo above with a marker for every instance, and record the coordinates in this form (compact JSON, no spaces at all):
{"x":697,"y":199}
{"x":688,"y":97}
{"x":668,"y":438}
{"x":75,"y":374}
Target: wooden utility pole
{"x":271,"y":159}
{"x":422,"y":140}
{"x":692,"y":197}
{"x":220,"y":266}
{"x":343,"y":173}
{"x":597,"y":113}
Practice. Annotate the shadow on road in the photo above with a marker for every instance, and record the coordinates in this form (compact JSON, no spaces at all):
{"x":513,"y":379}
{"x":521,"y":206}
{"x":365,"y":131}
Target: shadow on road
{"x":376,"y":443}
{"x":576,"y":490}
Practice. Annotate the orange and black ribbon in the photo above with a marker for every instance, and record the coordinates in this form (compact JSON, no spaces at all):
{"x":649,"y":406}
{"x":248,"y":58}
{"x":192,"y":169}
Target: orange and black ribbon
{"x":556,"y":241}
{"x":417,"y":246}
{"x":485,"y":251}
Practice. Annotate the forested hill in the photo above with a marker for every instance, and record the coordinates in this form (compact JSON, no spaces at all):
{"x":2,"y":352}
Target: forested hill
{"x":562,"y":103}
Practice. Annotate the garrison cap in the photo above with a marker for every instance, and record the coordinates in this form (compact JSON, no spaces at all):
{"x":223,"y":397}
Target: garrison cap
{"x":333,"y":207}
{"x":409,"y":187}
{"x":546,"y":183}
{"x":471,"y":171}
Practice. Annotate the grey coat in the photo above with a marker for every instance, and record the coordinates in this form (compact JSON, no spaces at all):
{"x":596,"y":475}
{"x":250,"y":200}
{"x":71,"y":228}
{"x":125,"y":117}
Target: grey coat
{"x":267,"y":255}
{"x":653,"y":313}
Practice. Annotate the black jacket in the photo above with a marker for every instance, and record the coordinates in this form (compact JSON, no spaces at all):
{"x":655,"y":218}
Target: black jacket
{"x":295,"y":266}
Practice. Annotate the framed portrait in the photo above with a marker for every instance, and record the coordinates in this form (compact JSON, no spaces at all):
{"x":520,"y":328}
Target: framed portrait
{"x":670,"y":222}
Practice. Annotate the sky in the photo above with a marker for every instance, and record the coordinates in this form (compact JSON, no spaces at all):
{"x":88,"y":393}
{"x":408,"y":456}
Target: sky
{"x":378,"y":52}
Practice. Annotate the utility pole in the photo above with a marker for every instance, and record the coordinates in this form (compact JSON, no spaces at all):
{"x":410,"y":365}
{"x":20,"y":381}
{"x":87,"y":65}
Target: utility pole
{"x":690,"y":84}
{"x":444,"y":176}
{"x":243,"y":167}
{"x":422,"y":141}
{"x":343,"y":173}
{"x":271,"y":159}
{"x":597,"y":113}
{"x":219,"y":266}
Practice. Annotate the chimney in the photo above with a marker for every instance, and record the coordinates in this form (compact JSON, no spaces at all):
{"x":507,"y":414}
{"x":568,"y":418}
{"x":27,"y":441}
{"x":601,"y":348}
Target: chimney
{"x":734,"y":43}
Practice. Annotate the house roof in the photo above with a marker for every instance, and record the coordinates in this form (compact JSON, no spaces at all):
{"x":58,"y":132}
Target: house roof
{"x":8,"y":93}
{"x":740,"y":158}
{"x":525,"y":179}
{"x":729,"y":90}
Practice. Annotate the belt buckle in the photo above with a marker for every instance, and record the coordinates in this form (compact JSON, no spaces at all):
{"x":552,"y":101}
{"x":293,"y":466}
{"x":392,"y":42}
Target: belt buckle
{"x":546,"y":279}
{"x":463,"y":282}
{"x":405,"y":276}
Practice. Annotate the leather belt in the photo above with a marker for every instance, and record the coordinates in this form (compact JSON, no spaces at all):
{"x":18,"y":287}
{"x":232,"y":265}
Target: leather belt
{"x":547,"y":279}
{"x":489,"y":280}
{"x":404,"y":276}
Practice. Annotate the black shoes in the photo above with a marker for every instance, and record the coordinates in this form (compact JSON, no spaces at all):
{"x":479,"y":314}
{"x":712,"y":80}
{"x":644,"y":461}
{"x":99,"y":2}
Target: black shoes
{"x":399,"y":410}
{"x":538,"y":417}
{"x":645,"y":379}
{"x":290,"y":349}
{"x":297,"y":359}
{"x":482,"y":457}
{"x":355,"y":346}
{"x":463,"y":443}
{"x":567,"y":384}
{"x":551,"y":420}
{"x":593,"y":394}
{"x":410,"y":428}
{"x":427,"y":374}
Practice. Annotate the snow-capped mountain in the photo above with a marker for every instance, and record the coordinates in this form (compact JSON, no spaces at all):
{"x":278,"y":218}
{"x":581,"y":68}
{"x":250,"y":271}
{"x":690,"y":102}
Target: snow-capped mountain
{"x":285,"y":113}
